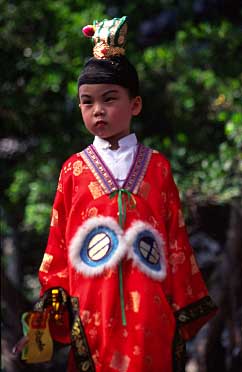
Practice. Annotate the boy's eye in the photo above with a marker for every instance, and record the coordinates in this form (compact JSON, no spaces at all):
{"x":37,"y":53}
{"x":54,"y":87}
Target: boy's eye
{"x":86,"y":102}
{"x":108,"y":99}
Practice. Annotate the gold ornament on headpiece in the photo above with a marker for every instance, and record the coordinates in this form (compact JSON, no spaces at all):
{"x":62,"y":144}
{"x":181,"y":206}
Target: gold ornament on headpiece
{"x":109,"y":37}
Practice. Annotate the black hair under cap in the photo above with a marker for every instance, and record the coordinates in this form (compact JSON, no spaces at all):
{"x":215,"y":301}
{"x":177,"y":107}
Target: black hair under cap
{"x":115,"y":70}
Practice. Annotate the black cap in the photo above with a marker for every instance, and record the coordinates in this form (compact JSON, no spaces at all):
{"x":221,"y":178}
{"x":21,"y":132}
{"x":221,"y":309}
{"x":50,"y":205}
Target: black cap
{"x":115,"y":70}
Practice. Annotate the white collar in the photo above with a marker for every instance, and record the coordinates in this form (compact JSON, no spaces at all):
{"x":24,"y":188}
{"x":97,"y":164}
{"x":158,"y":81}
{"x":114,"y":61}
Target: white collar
{"x":128,"y":141}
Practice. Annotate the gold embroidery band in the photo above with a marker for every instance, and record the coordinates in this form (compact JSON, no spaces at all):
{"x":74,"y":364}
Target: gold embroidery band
{"x":138,"y":169}
{"x":105,"y":178}
{"x":99,"y":170}
{"x":82,"y":353}
{"x":196,"y":310}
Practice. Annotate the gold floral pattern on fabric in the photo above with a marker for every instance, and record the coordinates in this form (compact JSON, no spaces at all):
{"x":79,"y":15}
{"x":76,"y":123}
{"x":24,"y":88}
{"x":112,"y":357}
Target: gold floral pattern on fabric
{"x":77,"y":167}
{"x":174,"y":245}
{"x":68,"y":167}
{"x":110,"y":323}
{"x":164,"y":171}
{"x":125,"y":333}
{"x":96,"y":358}
{"x":95,"y":189}
{"x":88,"y":318}
{"x":93,"y":332}
{"x":194,"y":266}
{"x":139,"y":327}
{"x":54,"y":218}
{"x":176,"y":259}
{"x":120,"y":362}
{"x":45,"y":265}
{"x":92,"y":212}
{"x":172,"y":201}
{"x":60,"y":187}
{"x":181,"y":221}
{"x":85,"y":317}
{"x":97,"y":319}
{"x":144,"y":190}
{"x":89,"y":212}
{"x":136,"y":350}
{"x":134,"y":301}
{"x":63,"y":273}
{"x":62,"y":244}
{"x":153,"y":221}
{"x":108,"y":273}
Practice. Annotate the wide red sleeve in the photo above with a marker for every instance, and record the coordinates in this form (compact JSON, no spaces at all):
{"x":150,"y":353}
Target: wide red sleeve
{"x":188,"y":293}
{"x":53,"y":272}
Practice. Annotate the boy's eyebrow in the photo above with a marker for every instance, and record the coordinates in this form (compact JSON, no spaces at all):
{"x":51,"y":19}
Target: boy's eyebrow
{"x":86,"y":95}
{"x":110,"y":91}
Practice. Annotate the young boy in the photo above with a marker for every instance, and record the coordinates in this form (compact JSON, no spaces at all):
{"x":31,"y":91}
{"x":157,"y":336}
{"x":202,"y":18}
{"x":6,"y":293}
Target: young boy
{"x":119,"y":279}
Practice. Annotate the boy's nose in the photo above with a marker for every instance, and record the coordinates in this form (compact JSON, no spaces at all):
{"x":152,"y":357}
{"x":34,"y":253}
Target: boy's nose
{"x":98,"y":110}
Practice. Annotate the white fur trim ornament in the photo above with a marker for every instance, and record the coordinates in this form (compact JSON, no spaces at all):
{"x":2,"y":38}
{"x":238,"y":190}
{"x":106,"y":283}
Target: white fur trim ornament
{"x":147,"y":250}
{"x":97,"y":245}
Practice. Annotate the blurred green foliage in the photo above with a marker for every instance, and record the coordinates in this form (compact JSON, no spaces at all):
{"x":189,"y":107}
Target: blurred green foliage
{"x":201,"y":107}
{"x":191,"y":81}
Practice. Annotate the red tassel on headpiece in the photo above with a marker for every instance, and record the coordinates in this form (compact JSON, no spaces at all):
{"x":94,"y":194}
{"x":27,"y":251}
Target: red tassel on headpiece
{"x":88,"y":30}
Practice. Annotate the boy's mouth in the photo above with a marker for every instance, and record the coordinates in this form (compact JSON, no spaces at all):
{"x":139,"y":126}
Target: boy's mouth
{"x":100,"y":123}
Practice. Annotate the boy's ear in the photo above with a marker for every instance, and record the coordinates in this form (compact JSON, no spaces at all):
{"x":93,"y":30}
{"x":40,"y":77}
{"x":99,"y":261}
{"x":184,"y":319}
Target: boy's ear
{"x":79,"y":106}
{"x":136,"y":105}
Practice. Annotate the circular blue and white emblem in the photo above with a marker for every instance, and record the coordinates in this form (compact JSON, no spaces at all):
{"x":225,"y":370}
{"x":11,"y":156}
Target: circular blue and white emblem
{"x":97,"y":244}
{"x":147,"y":249}
{"x":146,"y":246}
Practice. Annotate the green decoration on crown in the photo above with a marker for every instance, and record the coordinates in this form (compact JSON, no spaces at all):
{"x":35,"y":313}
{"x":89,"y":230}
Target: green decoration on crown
{"x":109,"y":37}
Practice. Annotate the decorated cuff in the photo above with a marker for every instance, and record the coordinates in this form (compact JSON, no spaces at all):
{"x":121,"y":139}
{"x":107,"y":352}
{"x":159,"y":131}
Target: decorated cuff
{"x":192,"y":317}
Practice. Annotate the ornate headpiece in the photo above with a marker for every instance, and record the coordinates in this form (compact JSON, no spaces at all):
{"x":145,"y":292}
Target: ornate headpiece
{"x":108,"y":36}
{"x":109,"y":64}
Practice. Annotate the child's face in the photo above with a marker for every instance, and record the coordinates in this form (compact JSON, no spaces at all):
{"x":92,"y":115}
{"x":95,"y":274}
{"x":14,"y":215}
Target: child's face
{"x":107,"y":110}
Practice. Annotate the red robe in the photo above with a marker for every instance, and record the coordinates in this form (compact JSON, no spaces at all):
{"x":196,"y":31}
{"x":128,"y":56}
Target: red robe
{"x":165,"y":300}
